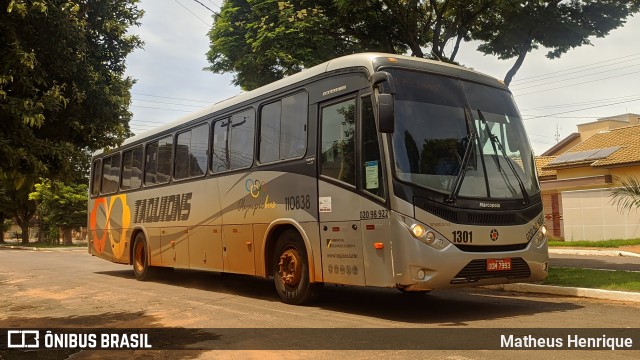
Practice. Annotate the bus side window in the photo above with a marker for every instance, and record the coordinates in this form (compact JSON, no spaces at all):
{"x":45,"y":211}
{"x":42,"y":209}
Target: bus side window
{"x":110,"y":174}
{"x":151,"y":163}
{"x":219,"y":159}
{"x":233,"y":140}
{"x":165,"y":150}
{"x":191,"y":152}
{"x":242,"y":138}
{"x":131,"y":169}
{"x":372,"y":179}
{"x":283,"y":129}
{"x":97,"y":176}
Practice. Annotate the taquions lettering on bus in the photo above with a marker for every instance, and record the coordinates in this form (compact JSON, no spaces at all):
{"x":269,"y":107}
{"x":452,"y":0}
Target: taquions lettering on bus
{"x":162,"y":209}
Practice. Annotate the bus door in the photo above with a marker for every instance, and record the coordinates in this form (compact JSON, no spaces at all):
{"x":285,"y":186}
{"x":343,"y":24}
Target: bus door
{"x":339,"y":203}
{"x":377,"y":240}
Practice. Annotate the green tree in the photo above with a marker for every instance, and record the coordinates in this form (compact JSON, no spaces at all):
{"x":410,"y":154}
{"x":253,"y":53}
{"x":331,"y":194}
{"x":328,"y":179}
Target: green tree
{"x":61,"y":207}
{"x":63,"y":92}
{"x":15,"y":202}
{"x":515,"y":28}
{"x":262,"y":41}
{"x":62,"y":83}
{"x":627,"y":196}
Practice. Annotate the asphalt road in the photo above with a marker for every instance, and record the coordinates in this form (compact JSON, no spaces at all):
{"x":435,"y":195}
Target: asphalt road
{"x":71,"y":289}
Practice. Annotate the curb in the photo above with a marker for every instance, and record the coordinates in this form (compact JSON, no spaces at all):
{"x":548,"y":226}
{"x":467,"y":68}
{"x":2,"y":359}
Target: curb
{"x":19,"y":247}
{"x":592,"y":252}
{"x":569,"y":291}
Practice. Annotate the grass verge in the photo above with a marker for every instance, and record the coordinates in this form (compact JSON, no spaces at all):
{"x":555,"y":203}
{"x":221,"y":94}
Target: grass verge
{"x":603,"y":243}
{"x":594,"y":279}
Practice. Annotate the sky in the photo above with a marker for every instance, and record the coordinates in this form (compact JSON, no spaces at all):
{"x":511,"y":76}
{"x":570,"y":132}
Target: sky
{"x":585,"y":84}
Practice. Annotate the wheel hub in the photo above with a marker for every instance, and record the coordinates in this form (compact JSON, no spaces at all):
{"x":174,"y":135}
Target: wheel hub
{"x":290,"y":267}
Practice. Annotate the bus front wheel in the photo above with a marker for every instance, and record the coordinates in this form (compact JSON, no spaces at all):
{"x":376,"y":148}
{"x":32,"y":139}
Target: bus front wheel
{"x":141,"y":268}
{"x":291,"y":270}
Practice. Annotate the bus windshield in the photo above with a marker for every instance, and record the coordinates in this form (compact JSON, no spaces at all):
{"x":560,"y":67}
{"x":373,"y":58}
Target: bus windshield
{"x":439,"y":120}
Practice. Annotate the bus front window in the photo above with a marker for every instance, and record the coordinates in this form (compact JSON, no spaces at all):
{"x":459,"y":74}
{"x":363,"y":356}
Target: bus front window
{"x":439,"y":118}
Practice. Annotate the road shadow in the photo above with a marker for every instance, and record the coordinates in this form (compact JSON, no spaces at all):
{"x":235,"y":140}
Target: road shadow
{"x":444,"y":307}
{"x":161,"y":339}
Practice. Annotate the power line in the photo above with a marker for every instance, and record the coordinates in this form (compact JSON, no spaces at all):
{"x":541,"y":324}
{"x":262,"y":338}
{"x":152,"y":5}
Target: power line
{"x":582,"y":103}
{"x":570,"y":72}
{"x":155,"y":108}
{"x":167,"y":103}
{"x":577,"y":67}
{"x":192,"y":13}
{"x":585,"y":82}
{"x":205,"y":6}
{"x":577,"y":77}
{"x":174,"y":98}
{"x":587,"y":108}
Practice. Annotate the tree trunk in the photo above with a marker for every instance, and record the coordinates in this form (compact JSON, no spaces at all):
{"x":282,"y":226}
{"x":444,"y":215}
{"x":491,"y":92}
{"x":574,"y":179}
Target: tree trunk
{"x":514,"y":69}
{"x":66,"y":237}
{"x":25,"y":232}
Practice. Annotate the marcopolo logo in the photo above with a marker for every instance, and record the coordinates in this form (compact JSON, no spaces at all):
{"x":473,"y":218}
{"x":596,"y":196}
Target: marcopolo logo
{"x":23,"y":339}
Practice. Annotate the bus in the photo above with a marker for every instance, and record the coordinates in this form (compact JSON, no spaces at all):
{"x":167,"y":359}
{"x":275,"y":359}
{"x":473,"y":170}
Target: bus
{"x":371,"y":170}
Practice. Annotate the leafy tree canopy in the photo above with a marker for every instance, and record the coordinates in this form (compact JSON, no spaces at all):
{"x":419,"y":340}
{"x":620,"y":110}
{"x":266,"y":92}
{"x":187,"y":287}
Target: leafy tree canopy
{"x":264,"y":40}
{"x":61,"y":206}
{"x":62,"y":86}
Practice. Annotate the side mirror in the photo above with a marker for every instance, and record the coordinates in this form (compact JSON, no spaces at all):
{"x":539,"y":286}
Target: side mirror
{"x":385,"y":103}
{"x":386,"y":120}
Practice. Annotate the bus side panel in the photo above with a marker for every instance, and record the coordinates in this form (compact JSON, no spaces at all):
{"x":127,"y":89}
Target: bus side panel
{"x":175,"y":247}
{"x":312,"y":230}
{"x":377,"y":243}
{"x":153,"y":240}
{"x":261,"y":197}
{"x":342,"y":257}
{"x":205,"y":247}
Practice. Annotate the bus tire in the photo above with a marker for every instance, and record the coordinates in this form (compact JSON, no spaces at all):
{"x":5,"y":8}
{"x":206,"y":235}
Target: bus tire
{"x":141,"y":268}
{"x":291,"y":270}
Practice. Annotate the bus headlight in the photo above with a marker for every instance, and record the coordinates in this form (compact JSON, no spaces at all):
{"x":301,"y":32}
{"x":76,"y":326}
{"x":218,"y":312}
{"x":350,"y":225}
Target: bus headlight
{"x":427,"y":236}
{"x":541,"y":236}
{"x":418,"y":231}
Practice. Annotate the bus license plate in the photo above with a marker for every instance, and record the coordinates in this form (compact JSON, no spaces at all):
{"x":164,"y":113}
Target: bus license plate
{"x":499,"y":264}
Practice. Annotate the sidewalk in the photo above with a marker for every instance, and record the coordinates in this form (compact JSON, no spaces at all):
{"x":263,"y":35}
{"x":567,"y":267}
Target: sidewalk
{"x":632,"y":251}
{"x":32,"y":248}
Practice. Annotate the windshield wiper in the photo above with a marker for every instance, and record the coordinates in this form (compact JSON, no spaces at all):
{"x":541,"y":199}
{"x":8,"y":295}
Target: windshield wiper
{"x":495,"y":141}
{"x":471,"y":139}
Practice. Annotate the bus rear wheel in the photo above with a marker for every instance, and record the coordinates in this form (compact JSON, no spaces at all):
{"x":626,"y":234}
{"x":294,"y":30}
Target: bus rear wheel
{"x":141,"y":268}
{"x":291,"y":270}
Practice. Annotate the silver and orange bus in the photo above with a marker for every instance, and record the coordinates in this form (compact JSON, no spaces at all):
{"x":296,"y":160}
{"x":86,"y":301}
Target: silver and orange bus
{"x":368,"y":170}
